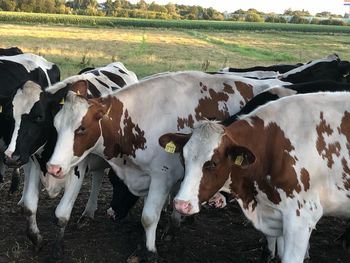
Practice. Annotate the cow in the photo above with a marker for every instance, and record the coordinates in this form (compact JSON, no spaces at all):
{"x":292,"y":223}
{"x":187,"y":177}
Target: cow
{"x":123,"y":129}
{"x":286,"y":163}
{"x":328,"y":68}
{"x":15,"y":70}
{"x":10,"y":51}
{"x":34,"y":136}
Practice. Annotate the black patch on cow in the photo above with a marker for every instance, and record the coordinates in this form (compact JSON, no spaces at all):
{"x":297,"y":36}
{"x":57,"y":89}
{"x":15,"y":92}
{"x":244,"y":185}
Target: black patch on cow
{"x":12,"y":51}
{"x":123,"y":200}
{"x":94,"y":91}
{"x":122,"y":71}
{"x":103,"y":84}
{"x":85,"y":70}
{"x":115,"y":78}
{"x":281,"y":68}
{"x":76,"y":171}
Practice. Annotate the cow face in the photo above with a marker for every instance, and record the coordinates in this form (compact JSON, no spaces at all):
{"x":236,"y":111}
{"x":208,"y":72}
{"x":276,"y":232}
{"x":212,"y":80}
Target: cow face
{"x":210,"y":157}
{"x":23,"y":102}
{"x":78,"y":132}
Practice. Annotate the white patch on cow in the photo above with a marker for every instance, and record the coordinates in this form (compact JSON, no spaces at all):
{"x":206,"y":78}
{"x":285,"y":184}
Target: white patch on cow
{"x":66,"y":121}
{"x":22,"y":102}
{"x":254,"y":74}
{"x":199,"y":149}
{"x":30,"y":62}
{"x":281,"y":91}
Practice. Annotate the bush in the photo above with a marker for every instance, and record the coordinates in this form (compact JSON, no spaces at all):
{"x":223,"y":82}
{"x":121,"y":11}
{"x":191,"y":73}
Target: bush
{"x":253,"y":17}
{"x":298,"y":20}
{"x":275,"y":19}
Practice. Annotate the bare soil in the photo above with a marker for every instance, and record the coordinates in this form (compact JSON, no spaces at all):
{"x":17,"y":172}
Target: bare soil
{"x":213,"y":236}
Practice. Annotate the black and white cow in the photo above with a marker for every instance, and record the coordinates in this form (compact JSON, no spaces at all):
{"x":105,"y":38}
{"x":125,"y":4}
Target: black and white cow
{"x":328,"y":68}
{"x":10,"y":51}
{"x":15,"y":70}
{"x":34,"y":137}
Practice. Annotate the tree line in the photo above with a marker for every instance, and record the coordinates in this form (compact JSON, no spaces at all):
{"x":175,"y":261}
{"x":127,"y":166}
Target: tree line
{"x":123,"y":8}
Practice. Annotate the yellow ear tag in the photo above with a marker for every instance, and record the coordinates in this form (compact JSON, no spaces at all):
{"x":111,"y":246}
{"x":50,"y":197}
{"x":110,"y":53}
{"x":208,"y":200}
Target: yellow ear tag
{"x":62,"y":101}
{"x":239,"y":160}
{"x":170,"y":147}
{"x":0,"y":108}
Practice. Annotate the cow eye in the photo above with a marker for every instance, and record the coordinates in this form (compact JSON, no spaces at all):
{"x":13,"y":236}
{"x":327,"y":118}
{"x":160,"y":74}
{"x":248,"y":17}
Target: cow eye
{"x":210,"y":165}
{"x":81,"y":130}
{"x":39,"y":118}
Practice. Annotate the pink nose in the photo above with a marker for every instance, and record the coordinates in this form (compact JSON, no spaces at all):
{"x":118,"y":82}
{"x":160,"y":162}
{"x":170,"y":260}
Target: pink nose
{"x":184,"y":207}
{"x":55,"y":170}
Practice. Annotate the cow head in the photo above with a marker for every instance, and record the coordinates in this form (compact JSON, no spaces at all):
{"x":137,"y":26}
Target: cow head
{"x":210,"y":156}
{"x":33,"y":112}
{"x":78,"y":132}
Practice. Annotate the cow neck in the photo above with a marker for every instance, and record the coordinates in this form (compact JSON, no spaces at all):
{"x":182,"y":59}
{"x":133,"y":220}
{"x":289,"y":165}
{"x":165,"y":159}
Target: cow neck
{"x":245,"y":179}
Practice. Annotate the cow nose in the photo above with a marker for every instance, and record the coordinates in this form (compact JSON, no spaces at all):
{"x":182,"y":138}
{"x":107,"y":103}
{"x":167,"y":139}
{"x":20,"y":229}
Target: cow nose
{"x":53,"y":169}
{"x":184,"y":207}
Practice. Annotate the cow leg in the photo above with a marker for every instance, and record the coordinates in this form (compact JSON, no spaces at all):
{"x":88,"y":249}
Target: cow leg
{"x":153,"y":205}
{"x":2,"y":171}
{"x":91,"y":206}
{"x":269,"y":250}
{"x":123,"y":200}
{"x":30,"y":199}
{"x":63,"y":211}
{"x":296,"y":232}
{"x":14,"y":180}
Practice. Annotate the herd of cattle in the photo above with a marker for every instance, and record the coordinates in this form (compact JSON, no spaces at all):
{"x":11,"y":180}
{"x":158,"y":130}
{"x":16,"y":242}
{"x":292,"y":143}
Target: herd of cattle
{"x":276,"y":138}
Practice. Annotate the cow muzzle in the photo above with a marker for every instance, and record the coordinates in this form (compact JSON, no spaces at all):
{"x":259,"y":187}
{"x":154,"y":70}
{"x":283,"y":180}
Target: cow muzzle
{"x":55,"y":170}
{"x":183,"y":207}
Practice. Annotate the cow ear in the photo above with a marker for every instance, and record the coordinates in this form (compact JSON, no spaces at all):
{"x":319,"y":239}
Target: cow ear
{"x":80,"y":88}
{"x":174,"y":142}
{"x":240,"y":156}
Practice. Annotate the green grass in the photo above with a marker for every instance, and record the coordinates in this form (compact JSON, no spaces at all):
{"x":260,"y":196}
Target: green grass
{"x":31,"y":18}
{"x":147,"y":51}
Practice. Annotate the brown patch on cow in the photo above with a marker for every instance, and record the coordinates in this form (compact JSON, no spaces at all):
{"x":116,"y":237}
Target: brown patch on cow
{"x":119,"y":138}
{"x":120,"y":141}
{"x":346,"y":174}
{"x":208,"y":107}
{"x":298,"y":212}
{"x":305,"y":179}
{"x":324,"y":150}
{"x":80,"y":87}
{"x":228,"y":89}
{"x":245,"y":90}
{"x":345,"y":128}
{"x":203,"y":87}
{"x":185,"y":122}
{"x":87,"y":139}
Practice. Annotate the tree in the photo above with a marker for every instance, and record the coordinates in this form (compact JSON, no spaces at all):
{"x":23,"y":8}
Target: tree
{"x":142,"y":5}
{"x":7,"y":5}
{"x":108,"y":7}
{"x":171,"y":8}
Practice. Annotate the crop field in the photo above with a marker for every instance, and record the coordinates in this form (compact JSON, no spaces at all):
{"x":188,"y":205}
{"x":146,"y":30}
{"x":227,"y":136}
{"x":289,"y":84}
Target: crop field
{"x":147,"y":50}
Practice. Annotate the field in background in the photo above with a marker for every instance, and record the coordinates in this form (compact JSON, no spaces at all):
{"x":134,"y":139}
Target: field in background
{"x":148,"y":51}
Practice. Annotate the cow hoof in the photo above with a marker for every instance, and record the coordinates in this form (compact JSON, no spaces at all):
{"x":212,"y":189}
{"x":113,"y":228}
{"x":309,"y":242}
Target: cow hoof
{"x":344,"y":239}
{"x":58,"y":251}
{"x":36,"y":239}
{"x":142,"y":255}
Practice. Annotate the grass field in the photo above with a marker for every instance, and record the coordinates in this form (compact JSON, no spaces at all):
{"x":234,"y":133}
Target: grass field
{"x":147,"y":51}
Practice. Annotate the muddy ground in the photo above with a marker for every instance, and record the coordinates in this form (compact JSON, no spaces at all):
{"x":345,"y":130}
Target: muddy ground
{"x":213,"y":236}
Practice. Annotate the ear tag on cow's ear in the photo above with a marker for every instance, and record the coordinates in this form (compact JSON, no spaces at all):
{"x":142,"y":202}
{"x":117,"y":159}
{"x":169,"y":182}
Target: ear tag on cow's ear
{"x":62,"y":101}
{"x":239,"y":160}
{"x":0,"y":108}
{"x":170,"y":147}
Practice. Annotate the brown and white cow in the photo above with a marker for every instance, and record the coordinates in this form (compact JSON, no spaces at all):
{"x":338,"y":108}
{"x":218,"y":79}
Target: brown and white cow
{"x":124,"y":129}
{"x":287,"y":163}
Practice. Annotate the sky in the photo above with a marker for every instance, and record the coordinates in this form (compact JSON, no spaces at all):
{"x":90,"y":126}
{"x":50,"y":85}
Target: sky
{"x":277,"y":6}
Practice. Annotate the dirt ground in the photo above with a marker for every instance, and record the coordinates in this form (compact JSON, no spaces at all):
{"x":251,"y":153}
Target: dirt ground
{"x":213,"y":236}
